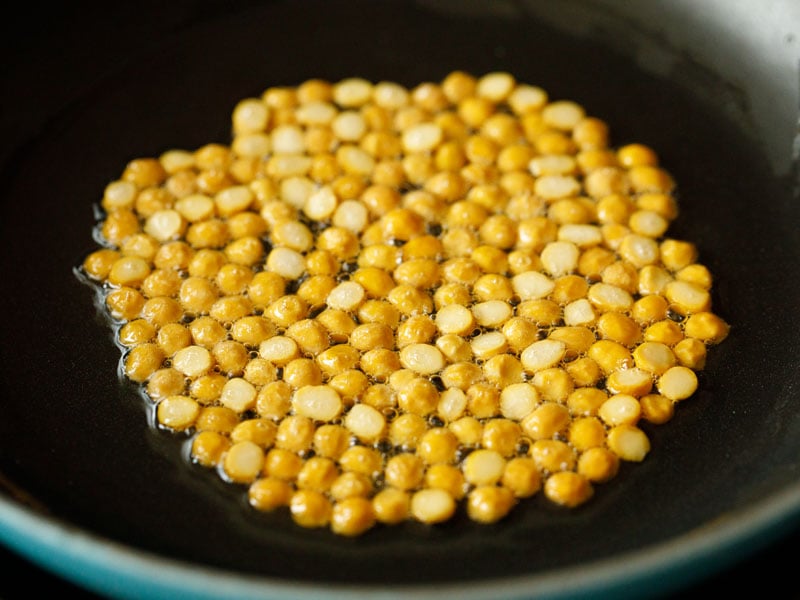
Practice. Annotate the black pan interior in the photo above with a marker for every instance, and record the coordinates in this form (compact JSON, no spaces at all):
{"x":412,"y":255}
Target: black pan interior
{"x":77,"y":442}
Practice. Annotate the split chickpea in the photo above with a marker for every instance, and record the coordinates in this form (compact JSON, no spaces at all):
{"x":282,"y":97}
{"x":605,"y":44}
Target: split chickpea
{"x":379,"y":302}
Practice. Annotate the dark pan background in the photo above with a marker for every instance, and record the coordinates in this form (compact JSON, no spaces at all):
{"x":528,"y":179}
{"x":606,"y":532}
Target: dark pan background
{"x":87,"y":88}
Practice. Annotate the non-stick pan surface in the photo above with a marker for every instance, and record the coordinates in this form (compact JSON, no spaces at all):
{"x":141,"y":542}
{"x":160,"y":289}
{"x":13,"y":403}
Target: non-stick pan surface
{"x":93,"y":492}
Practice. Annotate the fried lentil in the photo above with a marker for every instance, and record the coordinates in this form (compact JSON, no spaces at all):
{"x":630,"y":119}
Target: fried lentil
{"x":378,"y":302}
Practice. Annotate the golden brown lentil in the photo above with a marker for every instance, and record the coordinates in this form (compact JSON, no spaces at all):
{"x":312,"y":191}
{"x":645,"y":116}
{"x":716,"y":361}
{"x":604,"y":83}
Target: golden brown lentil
{"x":378,"y":302}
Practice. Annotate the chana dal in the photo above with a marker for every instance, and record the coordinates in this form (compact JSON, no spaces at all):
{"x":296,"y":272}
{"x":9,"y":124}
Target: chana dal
{"x":381,"y":303}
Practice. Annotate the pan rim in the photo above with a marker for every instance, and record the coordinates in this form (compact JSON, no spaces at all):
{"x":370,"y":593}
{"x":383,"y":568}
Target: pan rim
{"x":113,"y":568}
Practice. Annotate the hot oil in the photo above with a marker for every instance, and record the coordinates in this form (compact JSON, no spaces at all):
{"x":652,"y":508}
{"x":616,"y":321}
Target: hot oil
{"x":636,"y":106}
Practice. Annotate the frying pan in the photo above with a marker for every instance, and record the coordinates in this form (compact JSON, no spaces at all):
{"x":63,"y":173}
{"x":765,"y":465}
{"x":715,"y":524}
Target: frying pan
{"x":92,"y":493}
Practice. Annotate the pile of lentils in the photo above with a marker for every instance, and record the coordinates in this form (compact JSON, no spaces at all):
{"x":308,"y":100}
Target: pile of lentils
{"x":381,"y":303}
